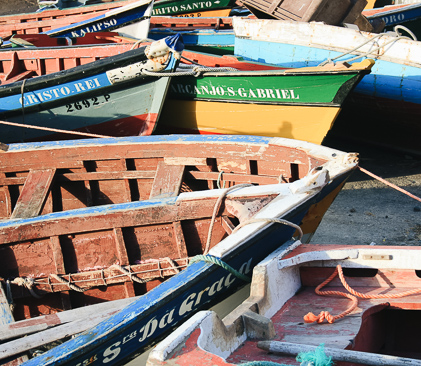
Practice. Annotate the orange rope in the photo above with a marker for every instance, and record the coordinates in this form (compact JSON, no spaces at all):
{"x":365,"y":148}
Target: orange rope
{"x":390,"y":184}
{"x":325,"y":315}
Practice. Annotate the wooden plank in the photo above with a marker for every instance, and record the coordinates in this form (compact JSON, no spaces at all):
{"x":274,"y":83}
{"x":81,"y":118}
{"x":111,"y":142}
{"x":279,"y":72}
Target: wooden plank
{"x":238,"y":178}
{"x":123,"y":259}
{"x":33,"y":194}
{"x":31,"y":341}
{"x":6,"y":318}
{"x":28,"y":326}
{"x":179,"y":238}
{"x":167,"y":180}
{"x":60,"y":268}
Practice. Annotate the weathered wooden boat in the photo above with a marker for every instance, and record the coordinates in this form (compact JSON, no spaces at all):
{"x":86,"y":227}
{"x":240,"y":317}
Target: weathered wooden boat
{"x":258,"y":99}
{"x":131,"y":19}
{"x":42,"y":178}
{"x":334,"y":12}
{"x":44,"y":40}
{"x":384,"y":108}
{"x":373,"y":321}
{"x":38,"y":22}
{"x":102,"y":90}
{"x":146,"y":247}
{"x":407,"y":15}
{"x":191,"y":23}
{"x":188,"y":8}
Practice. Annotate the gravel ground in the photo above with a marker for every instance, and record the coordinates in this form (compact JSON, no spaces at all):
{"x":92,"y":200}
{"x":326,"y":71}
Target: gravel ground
{"x":17,"y":6}
{"x":367,"y":210}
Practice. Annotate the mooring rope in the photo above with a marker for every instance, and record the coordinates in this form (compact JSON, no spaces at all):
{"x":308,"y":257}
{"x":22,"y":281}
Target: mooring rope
{"x":196,"y":71}
{"x":215,"y":211}
{"x":214,"y":260}
{"x":53,"y":129}
{"x":370,"y":52}
{"x":390,"y":184}
{"x":352,"y":295}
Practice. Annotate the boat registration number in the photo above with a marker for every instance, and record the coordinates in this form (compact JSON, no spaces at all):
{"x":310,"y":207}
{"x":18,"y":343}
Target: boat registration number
{"x":87,"y":103}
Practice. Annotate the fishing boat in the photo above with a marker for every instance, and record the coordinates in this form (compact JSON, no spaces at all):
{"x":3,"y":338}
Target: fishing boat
{"x":347,"y":304}
{"x":179,"y":252}
{"x":131,"y":19}
{"x":101,"y":90}
{"x":184,"y":8}
{"x":42,"y":178}
{"x":333,"y":12}
{"x":44,"y":40}
{"x":407,"y":15}
{"x":385,"y":107}
{"x":38,"y":22}
{"x":257,"y":99}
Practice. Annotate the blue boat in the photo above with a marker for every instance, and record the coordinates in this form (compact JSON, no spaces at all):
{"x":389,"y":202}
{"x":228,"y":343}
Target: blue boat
{"x":384,"y":108}
{"x":102,"y":90}
{"x":181,"y":253}
{"x":407,"y":15}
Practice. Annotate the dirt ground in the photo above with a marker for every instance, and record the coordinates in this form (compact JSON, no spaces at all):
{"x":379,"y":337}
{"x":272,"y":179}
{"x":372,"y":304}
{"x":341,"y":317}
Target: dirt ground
{"x":17,"y":6}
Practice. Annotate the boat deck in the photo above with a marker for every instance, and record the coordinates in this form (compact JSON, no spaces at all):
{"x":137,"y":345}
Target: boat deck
{"x":372,"y":326}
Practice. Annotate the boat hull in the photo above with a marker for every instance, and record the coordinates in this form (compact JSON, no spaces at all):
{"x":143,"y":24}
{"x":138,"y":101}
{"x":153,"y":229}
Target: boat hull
{"x":296,"y":122}
{"x":389,"y":95}
{"x":74,"y":91}
{"x":273,"y":316}
{"x":293,"y":104}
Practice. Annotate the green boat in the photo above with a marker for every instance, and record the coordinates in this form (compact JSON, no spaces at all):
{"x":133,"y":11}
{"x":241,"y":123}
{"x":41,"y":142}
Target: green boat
{"x":190,"y":7}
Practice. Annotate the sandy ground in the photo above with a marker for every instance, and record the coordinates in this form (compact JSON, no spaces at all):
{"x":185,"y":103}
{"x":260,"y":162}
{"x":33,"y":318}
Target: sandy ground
{"x":17,"y":6}
{"x":367,"y":211}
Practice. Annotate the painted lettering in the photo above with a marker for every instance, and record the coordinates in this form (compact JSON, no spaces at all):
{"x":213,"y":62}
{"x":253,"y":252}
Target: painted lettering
{"x":148,"y":329}
{"x":111,"y":352}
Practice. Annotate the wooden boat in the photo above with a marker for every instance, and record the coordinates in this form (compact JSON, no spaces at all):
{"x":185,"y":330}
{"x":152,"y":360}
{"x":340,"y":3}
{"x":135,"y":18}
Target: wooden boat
{"x":287,"y":293}
{"x":385,"y":107}
{"x":44,"y":40}
{"x":146,"y":247}
{"x":333,"y":12}
{"x":131,"y":19}
{"x":100,"y":90}
{"x":407,"y":15}
{"x":42,"y":178}
{"x":258,"y":99}
{"x":187,"y":8}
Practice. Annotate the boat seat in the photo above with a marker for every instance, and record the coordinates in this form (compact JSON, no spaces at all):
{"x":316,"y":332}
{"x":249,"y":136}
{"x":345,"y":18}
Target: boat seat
{"x":34,"y":193}
{"x":168,"y":179}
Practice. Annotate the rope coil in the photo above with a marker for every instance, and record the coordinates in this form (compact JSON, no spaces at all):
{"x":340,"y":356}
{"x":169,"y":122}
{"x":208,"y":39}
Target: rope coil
{"x":352,"y":295}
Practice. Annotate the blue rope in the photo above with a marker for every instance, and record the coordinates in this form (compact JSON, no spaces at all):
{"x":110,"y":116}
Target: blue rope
{"x":219,"y":262}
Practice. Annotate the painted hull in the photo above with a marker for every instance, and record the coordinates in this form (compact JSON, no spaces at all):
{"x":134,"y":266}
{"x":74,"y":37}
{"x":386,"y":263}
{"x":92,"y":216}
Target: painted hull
{"x":42,"y":178}
{"x":299,"y":104}
{"x":138,"y":326}
{"x":407,"y":15}
{"x":122,"y":18}
{"x":39,"y":22}
{"x":103,"y":97}
{"x":273,"y":314}
{"x":388,"y":96}
{"x":177,"y":7}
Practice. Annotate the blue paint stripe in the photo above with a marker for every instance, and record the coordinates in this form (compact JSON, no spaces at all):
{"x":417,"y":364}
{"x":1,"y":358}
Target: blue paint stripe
{"x":245,"y":139}
{"x":90,"y":211}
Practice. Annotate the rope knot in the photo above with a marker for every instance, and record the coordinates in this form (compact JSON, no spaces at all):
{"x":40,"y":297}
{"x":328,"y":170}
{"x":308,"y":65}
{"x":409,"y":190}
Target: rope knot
{"x":324,"y":315}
